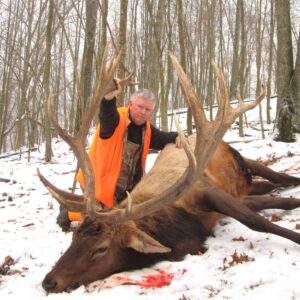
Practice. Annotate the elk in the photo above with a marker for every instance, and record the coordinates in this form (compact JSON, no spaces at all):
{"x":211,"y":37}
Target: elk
{"x":175,"y":206}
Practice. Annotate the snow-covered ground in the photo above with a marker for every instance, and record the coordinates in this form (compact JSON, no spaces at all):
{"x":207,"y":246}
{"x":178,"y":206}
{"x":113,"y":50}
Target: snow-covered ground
{"x":31,"y":241}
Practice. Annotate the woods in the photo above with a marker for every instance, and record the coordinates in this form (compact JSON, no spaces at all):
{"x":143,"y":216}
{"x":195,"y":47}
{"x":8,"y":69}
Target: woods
{"x":55,"y":46}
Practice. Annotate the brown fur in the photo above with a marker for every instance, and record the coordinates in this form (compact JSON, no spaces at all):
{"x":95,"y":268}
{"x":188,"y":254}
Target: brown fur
{"x":224,"y":170}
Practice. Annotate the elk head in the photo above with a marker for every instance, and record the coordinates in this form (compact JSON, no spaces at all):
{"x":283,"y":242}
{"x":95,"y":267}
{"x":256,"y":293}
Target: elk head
{"x":109,"y":241}
{"x":99,"y":249}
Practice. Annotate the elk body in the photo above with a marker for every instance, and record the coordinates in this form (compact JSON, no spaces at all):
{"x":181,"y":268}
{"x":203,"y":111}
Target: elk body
{"x":175,"y":206}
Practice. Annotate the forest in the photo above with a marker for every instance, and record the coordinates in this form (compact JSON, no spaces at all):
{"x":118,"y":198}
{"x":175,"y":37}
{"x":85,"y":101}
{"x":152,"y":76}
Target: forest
{"x":54,"y":46}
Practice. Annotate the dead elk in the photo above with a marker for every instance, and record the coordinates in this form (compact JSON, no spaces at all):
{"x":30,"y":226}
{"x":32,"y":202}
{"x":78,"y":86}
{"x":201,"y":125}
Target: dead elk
{"x":176,"y":205}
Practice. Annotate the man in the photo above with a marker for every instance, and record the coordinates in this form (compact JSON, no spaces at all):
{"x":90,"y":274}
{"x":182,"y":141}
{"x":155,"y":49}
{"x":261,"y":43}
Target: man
{"x":120,"y":147}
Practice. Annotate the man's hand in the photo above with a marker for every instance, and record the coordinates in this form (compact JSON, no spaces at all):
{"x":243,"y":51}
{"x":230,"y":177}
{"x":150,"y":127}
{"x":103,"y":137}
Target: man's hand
{"x":113,"y":94}
{"x":178,"y":142}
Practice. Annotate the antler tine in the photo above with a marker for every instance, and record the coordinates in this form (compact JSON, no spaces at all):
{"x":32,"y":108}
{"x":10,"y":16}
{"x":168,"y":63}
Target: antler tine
{"x":247,"y":106}
{"x":69,"y":200}
{"x":227,"y":114}
{"x":187,"y":148}
{"x":223,"y":104}
{"x":190,"y":93}
{"x":105,"y":84}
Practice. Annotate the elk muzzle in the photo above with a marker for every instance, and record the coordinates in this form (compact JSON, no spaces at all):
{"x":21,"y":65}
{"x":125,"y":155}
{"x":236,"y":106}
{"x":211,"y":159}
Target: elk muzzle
{"x":54,"y":284}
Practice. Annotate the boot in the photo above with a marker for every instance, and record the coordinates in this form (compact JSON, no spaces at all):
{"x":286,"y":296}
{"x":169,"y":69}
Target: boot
{"x":62,"y":219}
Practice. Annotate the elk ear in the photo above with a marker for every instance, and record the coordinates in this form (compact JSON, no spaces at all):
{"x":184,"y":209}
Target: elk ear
{"x":142,"y":242}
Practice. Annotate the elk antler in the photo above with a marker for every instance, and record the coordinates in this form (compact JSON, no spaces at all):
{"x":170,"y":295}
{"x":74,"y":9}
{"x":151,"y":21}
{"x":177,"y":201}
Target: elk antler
{"x":208,"y":136}
{"x":105,"y":84}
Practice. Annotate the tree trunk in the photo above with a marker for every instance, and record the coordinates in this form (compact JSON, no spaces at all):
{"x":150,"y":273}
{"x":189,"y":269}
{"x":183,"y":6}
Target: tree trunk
{"x":46,"y":83}
{"x":182,"y":45}
{"x":242,"y":69}
{"x":270,"y":64}
{"x":236,"y":58}
{"x":296,"y":119}
{"x":169,"y":63}
{"x":103,"y":36}
{"x":211,"y":6}
{"x":87,"y":59}
{"x":285,"y":101}
{"x":155,"y":59}
{"x":259,"y":36}
{"x":122,"y":45}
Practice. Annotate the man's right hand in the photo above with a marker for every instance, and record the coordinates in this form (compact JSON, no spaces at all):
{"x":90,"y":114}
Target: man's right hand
{"x":113,"y":94}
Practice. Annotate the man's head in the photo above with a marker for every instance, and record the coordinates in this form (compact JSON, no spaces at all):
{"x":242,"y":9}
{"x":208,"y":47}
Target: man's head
{"x":141,"y":105}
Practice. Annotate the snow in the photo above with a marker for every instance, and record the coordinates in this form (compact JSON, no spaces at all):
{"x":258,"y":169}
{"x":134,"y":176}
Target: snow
{"x":31,"y":237}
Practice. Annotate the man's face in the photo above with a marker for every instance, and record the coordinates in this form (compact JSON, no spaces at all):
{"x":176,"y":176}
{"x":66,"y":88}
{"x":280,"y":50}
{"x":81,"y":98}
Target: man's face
{"x":140,"y":110}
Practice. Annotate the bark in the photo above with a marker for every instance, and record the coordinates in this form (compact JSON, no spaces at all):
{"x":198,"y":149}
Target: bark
{"x":87,"y":60}
{"x":242,"y":69}
{"x":296,"y":119}
{"x":211,"y":56}
{"x":270,"y":64}
{"x":182,"y":45}
{"x":103,"y":37}
{"x":285,"y":101}
{"x":122,"y":45}
{"x":169,"y":79}
{"x":259,"y":36}
{"x":46,"y":83}
{"x":156,"y":67}
{"x":236,"y":47}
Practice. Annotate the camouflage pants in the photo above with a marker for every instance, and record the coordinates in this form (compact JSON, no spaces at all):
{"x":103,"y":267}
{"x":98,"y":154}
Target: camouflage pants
{"x":131,"y":154}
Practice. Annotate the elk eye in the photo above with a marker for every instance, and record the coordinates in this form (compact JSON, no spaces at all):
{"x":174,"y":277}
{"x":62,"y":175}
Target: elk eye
{"x":100,"y":250}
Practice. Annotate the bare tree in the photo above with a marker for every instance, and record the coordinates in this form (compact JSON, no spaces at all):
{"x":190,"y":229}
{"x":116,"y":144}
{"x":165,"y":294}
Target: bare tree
{"x":103,"y":31}
{"x":243,"y":62}
{"x":91,"y":8}
{"x":122,"y":44}
{"x":270,"y":63}
{"x":46,"y":81}
{"x":296,"y":120}
{"x":211,"y":7}
{"x":285,"y":100}
{"x":235,"y":58}
{"x":182,"y":47}
{"x":259,"y":40}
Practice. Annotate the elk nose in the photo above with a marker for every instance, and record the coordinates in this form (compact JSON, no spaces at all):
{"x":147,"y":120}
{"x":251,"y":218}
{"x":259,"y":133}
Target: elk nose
{"x":49,"y":285}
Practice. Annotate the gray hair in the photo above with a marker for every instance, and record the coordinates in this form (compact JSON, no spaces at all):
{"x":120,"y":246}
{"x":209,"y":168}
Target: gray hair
{"x":144,"y":93}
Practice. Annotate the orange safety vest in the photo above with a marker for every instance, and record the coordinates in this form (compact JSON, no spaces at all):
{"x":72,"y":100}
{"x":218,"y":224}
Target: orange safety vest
{"x":106,"y":158}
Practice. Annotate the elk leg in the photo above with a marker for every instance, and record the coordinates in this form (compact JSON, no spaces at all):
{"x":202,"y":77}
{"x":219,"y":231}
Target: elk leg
{"x":262,"y":187}
{"x":259,"y":169}
{"x":257,"y":203}
{"x":219,"y":201}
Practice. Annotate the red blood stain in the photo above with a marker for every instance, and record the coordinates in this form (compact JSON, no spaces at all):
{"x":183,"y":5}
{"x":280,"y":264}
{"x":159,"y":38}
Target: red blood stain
{"x":158,"y":280}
